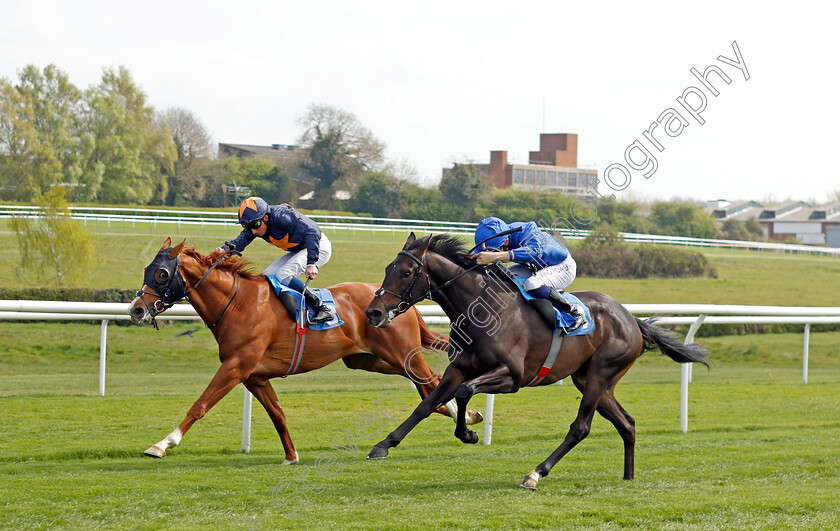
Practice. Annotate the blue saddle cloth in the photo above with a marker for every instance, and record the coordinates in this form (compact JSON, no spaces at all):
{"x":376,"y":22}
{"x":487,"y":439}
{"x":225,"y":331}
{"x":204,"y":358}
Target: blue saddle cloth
{"x":563,"y":319}
{"x":324,"y":294}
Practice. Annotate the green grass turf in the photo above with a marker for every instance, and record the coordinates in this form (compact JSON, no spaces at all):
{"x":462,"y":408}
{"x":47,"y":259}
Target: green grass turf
{"x":744,"y":277}
{"x":761,"y":451}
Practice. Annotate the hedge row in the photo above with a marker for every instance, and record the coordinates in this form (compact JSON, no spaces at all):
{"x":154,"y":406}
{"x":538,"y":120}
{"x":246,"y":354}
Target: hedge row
{"x":68,"y":294}
{"x":624,"y":261}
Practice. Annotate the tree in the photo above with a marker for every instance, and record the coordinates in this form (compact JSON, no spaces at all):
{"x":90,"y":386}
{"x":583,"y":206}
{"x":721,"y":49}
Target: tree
{"x":39,"y":141}
{"x":429,"y":204}
{"x":265,"y":178}
{"x":682,"y":219}
{"x":55,"y":115}
{"x":132,"y":153}
{"x":18,"y":137}
{"x":192,"y":144}
{"x":53,"y":241}
{"x":377,"y":195}
{"x":621,"y":216}
{"x":463,"y":185}
{"x":340,"y":150}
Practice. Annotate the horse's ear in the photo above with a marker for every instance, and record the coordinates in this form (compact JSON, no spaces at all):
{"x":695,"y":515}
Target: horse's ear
{"x":177,"y":249}
{"x":426,"y":248}
{"x":167,"y":244}
{"x":409,"y":241}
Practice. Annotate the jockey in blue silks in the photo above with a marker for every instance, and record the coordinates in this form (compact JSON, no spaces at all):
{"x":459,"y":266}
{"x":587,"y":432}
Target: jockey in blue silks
{"x":284,"y":227}
{"x":532,"y":250}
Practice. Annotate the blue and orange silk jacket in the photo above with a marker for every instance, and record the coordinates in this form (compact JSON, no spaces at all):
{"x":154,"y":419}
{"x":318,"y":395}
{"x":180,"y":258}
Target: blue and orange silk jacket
{"x":288,"y":229}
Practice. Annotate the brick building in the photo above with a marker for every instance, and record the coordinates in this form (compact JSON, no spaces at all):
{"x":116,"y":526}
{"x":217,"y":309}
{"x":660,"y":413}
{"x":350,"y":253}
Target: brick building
{"x":552,"y":168}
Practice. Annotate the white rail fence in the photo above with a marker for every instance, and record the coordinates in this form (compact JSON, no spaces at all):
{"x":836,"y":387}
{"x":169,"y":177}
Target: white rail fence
{"x":153,"y":217}
{"x":692,"y":314}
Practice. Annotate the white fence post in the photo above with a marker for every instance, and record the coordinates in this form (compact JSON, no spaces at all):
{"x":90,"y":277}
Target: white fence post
{"x":685,"y":374}
{"x":805,"y":353}
{"x":488,"y":419}
{"x":246,"y":421}
{"x":103,"y":345}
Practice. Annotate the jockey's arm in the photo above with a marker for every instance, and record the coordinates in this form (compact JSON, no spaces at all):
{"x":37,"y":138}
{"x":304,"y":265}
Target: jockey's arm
{"x":488,"y":257}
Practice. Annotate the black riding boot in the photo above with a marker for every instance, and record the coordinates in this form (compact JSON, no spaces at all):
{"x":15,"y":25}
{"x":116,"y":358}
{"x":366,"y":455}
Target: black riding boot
{"x":322,"y":312}
{"x":562,"y":303}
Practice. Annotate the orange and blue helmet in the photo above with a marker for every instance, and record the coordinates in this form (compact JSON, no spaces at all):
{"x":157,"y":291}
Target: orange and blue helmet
{"x":488,"y":227}
{"x":252,"y":210}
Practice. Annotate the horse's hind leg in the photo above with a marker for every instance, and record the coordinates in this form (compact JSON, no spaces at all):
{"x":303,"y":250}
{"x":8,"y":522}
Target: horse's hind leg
{"x":610,"y":409}
{"x":264,"y":391}
{"x":594,"y":389}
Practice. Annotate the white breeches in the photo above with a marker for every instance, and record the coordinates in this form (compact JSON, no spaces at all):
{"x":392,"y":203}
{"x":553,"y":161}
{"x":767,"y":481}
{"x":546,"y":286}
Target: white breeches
{"x":294,"y":264}
{"x":558,"y":276}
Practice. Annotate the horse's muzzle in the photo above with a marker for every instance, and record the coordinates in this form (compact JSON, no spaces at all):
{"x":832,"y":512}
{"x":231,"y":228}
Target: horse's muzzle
{"x":138,"y":313}
{"x":376,"y":317}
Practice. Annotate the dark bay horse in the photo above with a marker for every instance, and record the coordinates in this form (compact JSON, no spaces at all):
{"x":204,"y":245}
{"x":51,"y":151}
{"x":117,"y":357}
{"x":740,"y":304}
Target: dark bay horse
{"x":498,"y":343}
{"x":256,"y":334}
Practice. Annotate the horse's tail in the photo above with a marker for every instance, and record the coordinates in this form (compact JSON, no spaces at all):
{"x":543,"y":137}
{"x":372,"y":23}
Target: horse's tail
{"x":429,"y":338}
{"x":655,"y":337}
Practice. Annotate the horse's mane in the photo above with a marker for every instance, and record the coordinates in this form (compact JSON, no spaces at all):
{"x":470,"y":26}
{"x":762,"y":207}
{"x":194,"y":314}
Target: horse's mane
{"x":453,"y":249}
{"x":448,"y":246}
{"x":234,"y":264}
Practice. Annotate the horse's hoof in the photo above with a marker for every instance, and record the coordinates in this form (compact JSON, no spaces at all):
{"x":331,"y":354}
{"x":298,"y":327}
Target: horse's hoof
{"x":378,"y":453}
{"x":531,"y":480}
{"x":292,"y":461}
{"x":474,"y":417}
{"x":155,"y":451}
{"x":470,"y":438}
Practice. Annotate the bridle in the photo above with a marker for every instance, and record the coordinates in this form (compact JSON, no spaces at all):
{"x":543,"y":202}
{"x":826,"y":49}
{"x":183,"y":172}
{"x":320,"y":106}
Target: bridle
{"x":405,"y":297}
{"x":173,"y":289}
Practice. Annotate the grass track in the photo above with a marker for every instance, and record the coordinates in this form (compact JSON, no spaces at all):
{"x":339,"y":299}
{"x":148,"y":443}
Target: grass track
{"x":762,"y":451}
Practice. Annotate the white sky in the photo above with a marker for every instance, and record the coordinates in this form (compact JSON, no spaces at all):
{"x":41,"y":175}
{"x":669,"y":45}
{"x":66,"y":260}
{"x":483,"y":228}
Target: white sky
{"x":450,"y":81}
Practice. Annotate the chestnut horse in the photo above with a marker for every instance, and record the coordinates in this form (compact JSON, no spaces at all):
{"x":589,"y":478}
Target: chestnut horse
{"x":498,"y":343}
{"x":256,"y":334}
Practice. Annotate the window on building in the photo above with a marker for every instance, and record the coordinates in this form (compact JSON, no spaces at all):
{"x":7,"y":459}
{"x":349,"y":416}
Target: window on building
{"x":529,"y":176}
{"x":551,"y":178}
{"x":590,"y":180}
{"x":572,"y":179}
{"x":518,"y":176}
{"x":561,"y":178}
{"x":541,"y":177}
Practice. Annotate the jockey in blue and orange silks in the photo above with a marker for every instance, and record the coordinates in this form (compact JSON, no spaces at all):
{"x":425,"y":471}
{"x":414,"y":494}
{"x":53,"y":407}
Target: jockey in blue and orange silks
{"x":531,"y":248}
{"x":283,"y":226}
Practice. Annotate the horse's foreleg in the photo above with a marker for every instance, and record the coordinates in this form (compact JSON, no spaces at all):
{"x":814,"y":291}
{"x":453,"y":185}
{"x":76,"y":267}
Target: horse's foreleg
{"x":264,"y":391}
{"x":498,"y":380}
{"x":225,"y":379}
{"x":444,"y":391}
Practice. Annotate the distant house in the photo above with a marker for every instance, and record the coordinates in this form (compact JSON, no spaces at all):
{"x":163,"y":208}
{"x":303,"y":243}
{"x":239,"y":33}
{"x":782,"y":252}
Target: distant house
{"x":814,"y":225}
{"x":552,"y":168}
{"x":286,"y":155}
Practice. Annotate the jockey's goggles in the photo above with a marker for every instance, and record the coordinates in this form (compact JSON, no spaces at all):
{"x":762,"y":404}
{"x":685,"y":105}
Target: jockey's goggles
{"x":255,"y":224}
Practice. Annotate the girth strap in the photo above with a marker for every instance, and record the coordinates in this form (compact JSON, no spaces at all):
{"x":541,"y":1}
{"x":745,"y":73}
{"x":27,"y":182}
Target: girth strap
{"x":556,"y":342}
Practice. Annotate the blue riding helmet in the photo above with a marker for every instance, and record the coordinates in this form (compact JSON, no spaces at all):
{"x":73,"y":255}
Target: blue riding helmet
{"x":251,"y":210}
{"x":488,"y":227}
